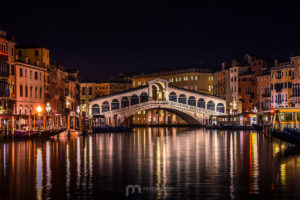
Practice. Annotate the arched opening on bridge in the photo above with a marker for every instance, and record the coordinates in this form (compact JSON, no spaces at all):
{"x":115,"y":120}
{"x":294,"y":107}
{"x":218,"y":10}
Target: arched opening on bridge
{"x":95,"y":109}
{"x":173,"y":97}
{"x":182,"y":99}
{"x":158,"y":91}
{"x":124,"y":102}
{"x":164,"y":116}
{"x":220,"y":107}
{"x":211,"y":105}
{"x":201,"y":103}
{"x":144,"y":97}
{"x":105,"y":106}
{"x":134,"y":99}
{"x":115,"y":104}
{"x":192,"y":101}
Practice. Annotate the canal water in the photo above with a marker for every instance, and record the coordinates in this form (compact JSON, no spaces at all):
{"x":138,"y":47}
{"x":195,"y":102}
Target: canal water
{"x":151,"y":163}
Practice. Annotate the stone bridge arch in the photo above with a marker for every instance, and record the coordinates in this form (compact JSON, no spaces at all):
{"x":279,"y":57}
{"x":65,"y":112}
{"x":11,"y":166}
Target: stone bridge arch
{"x":192,"y":106}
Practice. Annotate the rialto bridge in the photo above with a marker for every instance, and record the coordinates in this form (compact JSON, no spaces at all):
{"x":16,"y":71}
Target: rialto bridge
{"x":194,"y":107}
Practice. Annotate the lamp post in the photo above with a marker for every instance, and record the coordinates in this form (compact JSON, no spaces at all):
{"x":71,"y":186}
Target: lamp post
{"x":39,"y":109}
{"x":48,"y":109}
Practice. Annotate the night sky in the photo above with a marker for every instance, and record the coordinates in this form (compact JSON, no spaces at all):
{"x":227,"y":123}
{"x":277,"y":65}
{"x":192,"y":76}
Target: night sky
{"x":103,"y":39}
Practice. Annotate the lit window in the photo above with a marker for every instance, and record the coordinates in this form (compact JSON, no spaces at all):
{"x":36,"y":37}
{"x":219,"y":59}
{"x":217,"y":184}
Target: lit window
{"x":196,"y":77}
{"x":192,"y":78}
{"x":139,"y":83}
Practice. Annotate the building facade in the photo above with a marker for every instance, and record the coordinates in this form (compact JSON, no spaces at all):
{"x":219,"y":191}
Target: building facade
{"x":72,"y":91}
{"x":281,"y":84}
{"x":234,"y":71}
{"x":7,"y":76}
{"x":295,"y":98}
{"x":29,"y":88}
{"x":264,"y":92}
{"x":91,"y":90}
{"x":200,"y":79}
{"x":222,"y":85}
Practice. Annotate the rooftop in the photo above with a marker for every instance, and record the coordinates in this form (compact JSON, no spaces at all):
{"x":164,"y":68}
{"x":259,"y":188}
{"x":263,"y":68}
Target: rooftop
{"x":28,"y":46}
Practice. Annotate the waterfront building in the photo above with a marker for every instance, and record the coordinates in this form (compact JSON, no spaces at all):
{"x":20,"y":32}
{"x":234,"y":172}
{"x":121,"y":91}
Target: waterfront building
{"x":281,"y":84}
{"x":72,"y":91}
{"x":7,"y":76}
{"x":221,"y":87}
{"x":56,"y":91}
{"x":199,"y":78}
{"x":264,"y":91}
{"x":295,"y":98}
{"x":246,"y":92}
{"x":195,"y":78}
{"x":39,"y":56}
{"x":29,"y":87}
{"x":234,"y":71}
{"x":92,"y":90}
{"x":248,"y":84}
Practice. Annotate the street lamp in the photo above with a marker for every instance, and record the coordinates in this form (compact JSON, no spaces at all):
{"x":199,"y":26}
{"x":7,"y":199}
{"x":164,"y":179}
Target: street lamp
{"x":39,"y":109}
{"x":48,"y":109}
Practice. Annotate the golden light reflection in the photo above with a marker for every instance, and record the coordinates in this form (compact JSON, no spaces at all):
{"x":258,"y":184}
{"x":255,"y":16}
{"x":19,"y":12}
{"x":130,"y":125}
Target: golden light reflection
{"x":67,"y":171}
{"x":78,"y":164}
{"x":254,"y":164}
{"x":283,"y":174}
{"x":48,"y":168}
{"x":39,"y":174}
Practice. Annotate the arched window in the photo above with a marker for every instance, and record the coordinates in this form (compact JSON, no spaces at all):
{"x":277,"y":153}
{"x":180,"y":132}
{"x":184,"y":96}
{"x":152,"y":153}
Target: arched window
{"x":20,"y":109}
{"x":124,"y":102}
{"x":115,"y":104}
{"x":211,"y":105}
{"x":182,"y":99}
{"x":134,"y":99}
{"x":173,"y":97}
{"x":192,"y":101}
{"x":105,"y":106}
{"x":221,"y":108}
{"x":144,"y":97}
{"x":201,"y":103}
{"x":95,"y":109}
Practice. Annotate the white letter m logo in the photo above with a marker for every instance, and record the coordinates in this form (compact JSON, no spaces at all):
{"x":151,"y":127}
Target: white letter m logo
{"x":132,"y":188}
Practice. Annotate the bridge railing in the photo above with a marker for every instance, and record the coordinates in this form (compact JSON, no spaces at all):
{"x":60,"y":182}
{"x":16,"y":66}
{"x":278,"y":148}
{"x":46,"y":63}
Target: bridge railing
{"x":163,"y":102}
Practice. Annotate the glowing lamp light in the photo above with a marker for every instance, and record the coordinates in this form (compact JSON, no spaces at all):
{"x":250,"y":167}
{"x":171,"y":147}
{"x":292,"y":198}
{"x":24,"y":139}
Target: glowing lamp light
{"x":39,"y":109}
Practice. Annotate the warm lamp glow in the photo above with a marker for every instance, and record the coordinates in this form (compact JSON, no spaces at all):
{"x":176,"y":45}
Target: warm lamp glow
{"x":39,"y":109}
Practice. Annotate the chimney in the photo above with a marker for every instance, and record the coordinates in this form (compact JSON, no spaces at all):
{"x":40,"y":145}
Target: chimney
{"x":275,"y":62}
{"x":223,"y":65}
{"x":234,"y":63}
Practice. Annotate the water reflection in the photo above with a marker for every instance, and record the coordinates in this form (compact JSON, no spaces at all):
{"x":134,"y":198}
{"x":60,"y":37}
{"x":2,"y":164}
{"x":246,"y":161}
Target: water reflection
{"x":39,"y":174}
{"x":173,"y":163}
